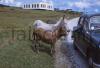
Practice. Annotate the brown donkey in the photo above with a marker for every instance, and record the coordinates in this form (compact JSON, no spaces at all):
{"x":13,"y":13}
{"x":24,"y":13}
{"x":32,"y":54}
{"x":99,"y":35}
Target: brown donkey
{"x":49,"y":36}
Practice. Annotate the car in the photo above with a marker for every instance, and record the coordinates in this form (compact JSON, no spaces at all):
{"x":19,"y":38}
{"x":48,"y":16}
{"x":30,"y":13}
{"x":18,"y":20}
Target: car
{"x":86,"y":38}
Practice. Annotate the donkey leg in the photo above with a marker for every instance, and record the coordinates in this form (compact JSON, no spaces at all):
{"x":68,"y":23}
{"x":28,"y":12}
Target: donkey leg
{"x":37,"y":47}
{"x":34,"y":42}
{"x":34,"y":46}
{"x":52,"y":50}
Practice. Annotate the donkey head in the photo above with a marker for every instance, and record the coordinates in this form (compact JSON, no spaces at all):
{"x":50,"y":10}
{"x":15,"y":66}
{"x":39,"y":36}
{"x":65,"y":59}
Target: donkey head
{"x":62,"y":27}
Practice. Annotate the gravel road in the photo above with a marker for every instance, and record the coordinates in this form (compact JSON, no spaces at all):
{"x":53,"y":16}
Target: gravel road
{"x":66,"y":56}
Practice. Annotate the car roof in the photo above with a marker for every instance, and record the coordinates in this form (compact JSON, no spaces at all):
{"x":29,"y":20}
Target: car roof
{"x":90,"y":15}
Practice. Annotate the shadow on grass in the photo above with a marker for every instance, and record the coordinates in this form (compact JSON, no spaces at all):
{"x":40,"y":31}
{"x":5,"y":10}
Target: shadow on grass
{"x":42,"y":48}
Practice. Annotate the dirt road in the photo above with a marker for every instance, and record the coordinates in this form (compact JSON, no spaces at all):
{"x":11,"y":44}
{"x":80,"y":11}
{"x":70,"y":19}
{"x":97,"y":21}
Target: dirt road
{"x":66,"y":56}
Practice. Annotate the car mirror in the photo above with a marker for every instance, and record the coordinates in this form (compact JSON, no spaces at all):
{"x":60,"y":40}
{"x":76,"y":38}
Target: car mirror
{"x":87,"y":32}
{"x":92,"y":28}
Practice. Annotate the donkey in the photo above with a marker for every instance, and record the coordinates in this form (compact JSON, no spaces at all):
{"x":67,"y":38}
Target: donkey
{"x":48,"y":33}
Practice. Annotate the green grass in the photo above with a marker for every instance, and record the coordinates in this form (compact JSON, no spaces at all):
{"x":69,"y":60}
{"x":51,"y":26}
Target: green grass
{"x":18,"y":53}
{"x":23,"y":18}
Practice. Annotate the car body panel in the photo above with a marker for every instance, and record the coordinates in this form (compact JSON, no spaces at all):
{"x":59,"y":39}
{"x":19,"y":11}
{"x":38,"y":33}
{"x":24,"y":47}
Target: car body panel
{"x":86,"y":40}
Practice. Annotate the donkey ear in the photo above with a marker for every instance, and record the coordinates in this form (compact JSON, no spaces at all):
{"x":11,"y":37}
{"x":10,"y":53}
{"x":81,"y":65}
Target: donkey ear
{"x":63,"y":17}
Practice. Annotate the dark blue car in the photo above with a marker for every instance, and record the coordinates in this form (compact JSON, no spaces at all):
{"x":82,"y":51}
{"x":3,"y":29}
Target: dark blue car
{"x":86,"y":36}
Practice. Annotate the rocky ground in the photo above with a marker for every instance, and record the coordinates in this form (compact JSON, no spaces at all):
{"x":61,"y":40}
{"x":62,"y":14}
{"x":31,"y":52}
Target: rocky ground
{"x":66,"y":56}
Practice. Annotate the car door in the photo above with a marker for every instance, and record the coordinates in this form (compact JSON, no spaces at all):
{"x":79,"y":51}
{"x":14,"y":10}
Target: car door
{"x":85,"y":37}
{"x":79,"y":35}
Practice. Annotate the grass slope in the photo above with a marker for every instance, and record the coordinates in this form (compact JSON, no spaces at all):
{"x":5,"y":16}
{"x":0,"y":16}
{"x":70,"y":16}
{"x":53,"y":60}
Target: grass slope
{"x":16,"y":53}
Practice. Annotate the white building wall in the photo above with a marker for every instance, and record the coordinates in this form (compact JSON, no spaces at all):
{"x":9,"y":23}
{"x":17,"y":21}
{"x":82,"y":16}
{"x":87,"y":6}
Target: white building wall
{"x":45,"y":6}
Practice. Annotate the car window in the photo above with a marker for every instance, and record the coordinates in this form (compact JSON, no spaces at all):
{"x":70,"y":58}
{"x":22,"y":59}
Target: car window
{"x":95,"y":23}
{"x":95,"y":19}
